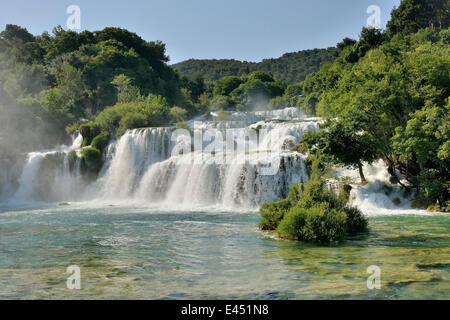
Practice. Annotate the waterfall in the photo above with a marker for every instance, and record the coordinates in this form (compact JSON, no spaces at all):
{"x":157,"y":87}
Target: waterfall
{"x":145,"y":165}
{"x":231,"y":164}
{"x":130,"y":157}
{"x":380,"y":195}
{"x":46,"y":176}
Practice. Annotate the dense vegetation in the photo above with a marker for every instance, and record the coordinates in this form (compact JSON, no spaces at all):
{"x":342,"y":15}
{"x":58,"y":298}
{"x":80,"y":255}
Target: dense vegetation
{"x":313,"y":213}
{"x":291,"y":67}
{"x":249,"y":92}
{"x":50,"y":83}
{"x":387,"y":96}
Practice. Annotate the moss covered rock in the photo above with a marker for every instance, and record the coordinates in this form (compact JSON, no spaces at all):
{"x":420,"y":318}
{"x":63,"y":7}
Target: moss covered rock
{"x":101,"y":141}
{"x":72,"y":159}
{"x":89,"y":131}
{"x":91,"y":161}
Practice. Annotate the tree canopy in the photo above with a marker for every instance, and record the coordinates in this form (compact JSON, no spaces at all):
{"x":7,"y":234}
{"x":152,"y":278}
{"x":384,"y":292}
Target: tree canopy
{"x":52,"y":82}
{"x":291,"y":67}
{"x":387,"y":96}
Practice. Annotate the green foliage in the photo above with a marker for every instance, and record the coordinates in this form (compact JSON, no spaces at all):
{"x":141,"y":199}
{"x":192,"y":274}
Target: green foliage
{"x":432,"y":189}
{"x":70,"y":129}
{"x":369,"y":38}
{"x":294,"y":90}
{"x":444,"y":36}
{"x":273,"y":213}
{"x":317,"y":224}
{"x":226,"y":85}
{"x":344,"y":142}
{"x":222,"y":103}
{"x":72,"y":159}
{"x":177,"y":114}
{"x":388,"y":98}
{"x":313,"y":213}
{"x":152,"y":111}
{"x":223,"y":116}
{"x":131,"y":120}
{"x":89,"y":131}
{"x":356,"y":222}
{"x":291,"y":67}
{"x":101,"y":141}
{"x":126,"y":91}
{"x":50,"y":83}
{"x":183,"y":125}
{"x":426,"y":136}
{"x":413,"y":15}
{"x":91,"y":161}
{"x":249,"y":92}
{"x":254,"y":94}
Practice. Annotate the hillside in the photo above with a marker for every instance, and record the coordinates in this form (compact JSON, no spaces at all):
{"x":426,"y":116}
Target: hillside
{"x":292,"y":67}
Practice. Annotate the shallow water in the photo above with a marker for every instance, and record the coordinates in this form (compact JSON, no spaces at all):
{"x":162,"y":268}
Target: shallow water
{"x":139,"y":253}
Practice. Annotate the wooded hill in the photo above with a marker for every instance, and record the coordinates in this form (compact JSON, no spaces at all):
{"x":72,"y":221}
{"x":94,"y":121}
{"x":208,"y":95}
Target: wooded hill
{"x":292,"y":67}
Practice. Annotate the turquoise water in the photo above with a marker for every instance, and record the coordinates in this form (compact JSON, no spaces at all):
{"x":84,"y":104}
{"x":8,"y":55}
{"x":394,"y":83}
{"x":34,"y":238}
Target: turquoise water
{"x":138,"y":253}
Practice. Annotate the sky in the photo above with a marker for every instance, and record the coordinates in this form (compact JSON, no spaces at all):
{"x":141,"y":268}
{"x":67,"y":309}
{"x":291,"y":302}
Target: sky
{"x":247,"y":30}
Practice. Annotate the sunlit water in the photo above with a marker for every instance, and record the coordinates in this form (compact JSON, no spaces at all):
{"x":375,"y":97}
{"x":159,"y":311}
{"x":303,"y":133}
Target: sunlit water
{"x":137,"y":253}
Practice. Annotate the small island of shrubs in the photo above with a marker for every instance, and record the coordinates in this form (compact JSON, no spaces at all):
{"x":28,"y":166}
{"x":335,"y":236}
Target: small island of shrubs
{"x":313,"y":213}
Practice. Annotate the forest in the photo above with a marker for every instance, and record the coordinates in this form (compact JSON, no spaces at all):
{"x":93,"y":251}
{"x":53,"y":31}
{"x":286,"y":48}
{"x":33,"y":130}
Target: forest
{"x":291,"y":67}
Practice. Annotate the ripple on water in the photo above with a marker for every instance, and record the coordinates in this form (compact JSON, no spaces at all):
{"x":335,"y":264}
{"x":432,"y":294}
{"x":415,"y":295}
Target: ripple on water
{"x":126,"y":253}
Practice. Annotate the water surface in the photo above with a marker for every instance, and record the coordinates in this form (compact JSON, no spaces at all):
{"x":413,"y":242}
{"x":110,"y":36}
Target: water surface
{"x":138,"y":253}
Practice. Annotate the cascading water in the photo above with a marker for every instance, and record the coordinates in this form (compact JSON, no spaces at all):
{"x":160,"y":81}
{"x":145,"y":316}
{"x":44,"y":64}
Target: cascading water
{"x":380,"y":196}
{"x":46,"y":176}
{"x":145,"y":165}
{"x":130,"y":157}
{"x":161,"y":166}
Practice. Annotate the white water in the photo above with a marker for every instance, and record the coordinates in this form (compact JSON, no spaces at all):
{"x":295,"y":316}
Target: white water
{"x":63,"y":184}
{"x":146,"y":167}
{"x":281,"y":114}
{"x":141,"y":168}
{"x":379,"y":196}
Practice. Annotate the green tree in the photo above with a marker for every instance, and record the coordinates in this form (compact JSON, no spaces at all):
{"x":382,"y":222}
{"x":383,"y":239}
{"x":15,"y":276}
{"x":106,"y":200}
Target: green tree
{"x":343,"y":142}
{"x":413,"y":15}
{"x":126,"y":92}
{"x":226,"y":85}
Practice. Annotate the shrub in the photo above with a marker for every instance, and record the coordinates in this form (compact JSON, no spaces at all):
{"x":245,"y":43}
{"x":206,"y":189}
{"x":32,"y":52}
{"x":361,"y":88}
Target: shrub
{"x":131,"y":120}
{"x":177,"y":114}
{"x":151,"y":111}
{"x":316,"y":224}
{"x":222,"y":103}
{"x":344,"y":192}
{"x":432,"y":189}
{"x":315,"y":191}
{"x":223,"y":116}
{"x":313,"y":213}
{"x":183,"y":125}
{"x":356,"y":221}
{"x":89,"y":131}
{"x":72,"y":128}
{"x":101,"y":141}
{"x":273,"y":213}
{"x":91,"y":161}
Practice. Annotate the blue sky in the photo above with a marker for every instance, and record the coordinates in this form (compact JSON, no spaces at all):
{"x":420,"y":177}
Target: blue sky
{"x":204,"y":29}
